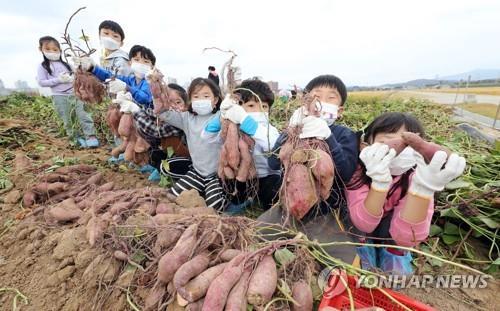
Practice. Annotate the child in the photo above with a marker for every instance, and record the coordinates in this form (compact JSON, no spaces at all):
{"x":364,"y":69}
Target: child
{"x":253,"y":117}
{"x":53,"y":72}
{"x":319,"y":223}
{"x":205,"y":99}
{"x":163,"y":136}
{"x":114,"y":59}
{"x":389,"y":198}
{"x":142,"y":61}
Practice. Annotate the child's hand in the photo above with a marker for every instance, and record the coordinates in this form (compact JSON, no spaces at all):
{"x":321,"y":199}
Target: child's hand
{"x":377,"y":158}
{"x":298,"y":116}
{"x":432,"y":177}
{"x":235,"y":114}
{"x":226,"y":104}
{"x":127,"y":106}
{"x":66,"y":77}
{"x":116,"y":86}
{"x":85,"y":63}
{"x":314,"y":127}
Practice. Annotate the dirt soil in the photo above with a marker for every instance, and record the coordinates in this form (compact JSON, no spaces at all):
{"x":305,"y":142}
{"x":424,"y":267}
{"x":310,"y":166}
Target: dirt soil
{"x":55,"y":268}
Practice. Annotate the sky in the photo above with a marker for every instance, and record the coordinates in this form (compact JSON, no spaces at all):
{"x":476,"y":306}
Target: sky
{"x":363,"y":42}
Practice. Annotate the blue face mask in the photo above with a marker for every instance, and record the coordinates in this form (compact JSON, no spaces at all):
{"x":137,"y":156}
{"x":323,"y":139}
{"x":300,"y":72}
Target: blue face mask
{"x":202,"y":106}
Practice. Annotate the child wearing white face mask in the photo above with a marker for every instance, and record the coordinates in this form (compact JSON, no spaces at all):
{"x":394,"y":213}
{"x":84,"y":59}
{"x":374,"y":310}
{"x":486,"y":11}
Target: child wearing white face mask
{"x":391,"y":196}
{"x":142,"y":60}
{"x":253,"y":117}
{"x":205,"y":99}
{"x":114,"y":59}
{"x":326,"y":221}
{"x":55,"y":73}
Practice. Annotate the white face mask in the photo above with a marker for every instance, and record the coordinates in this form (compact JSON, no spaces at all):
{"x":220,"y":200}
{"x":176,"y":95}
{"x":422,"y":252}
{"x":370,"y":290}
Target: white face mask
{"x":260,"y":116}
{"x":109,"y":43}
{"x":202,"y":106}
{"x":329,"y":112}
{"x":52,"y":56}
{"x":403,"y":162}
{"x":140,"y":70}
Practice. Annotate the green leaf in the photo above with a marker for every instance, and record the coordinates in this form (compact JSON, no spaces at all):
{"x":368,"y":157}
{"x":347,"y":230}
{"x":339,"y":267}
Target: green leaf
{"x":435,"y":230}
{"x":489,"y":222}
{"x":284,"y":256}
{"x":450,"y":239}
{"x":435,"y":263}
{"x":451,"y":229}
{"x":451,"y":212}
{"x":458,"y":184}
{"x":496,"y":262}
{"x":84,"y":38}
{"x":170,"y":151}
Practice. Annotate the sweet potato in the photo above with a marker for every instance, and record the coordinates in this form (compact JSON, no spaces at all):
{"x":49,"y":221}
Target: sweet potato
{"x":65,"y":211}
{"x":120,"y":255}
{"x":141,"y":145}
{"x":55,"y":177}
{"x":95,"y":179}
{"x":129,"y":154}
{"x":50,"y":188}
{"x":21,"y":162}
{"x":197,"y":288}
{"x":245,"y":161}
{"x":171,"y":261}
{"x":193,"y":211}
{"x":302,"y":293}
{"x":426,"y":149}
{"x":106,"y":187}
{"x":77,"y":168}
{"x":229,"y":254}
{"x":165,"y":219}
{"x":231,"y":145}
{"x":29,"y":198}
{"x":263,"y":282}
{"x":126,"y":125}
{"x":237,"y":299}
{"x":164,"y":208}
{"x":87,"y":87}
{"x":228,"y":172}
{"x":221,"y":286}
{"x":285,"y":153}
{"x":115,"y":152}
{"x":155,"y":297}
{"x":323,"y":171}
{"x":113,"y":116}
{"x":397,"y":144}
{"x":95,"y":229}
{"x":195,"y":306}
{"x":119,"y":207}
{"x":166,"y":238}
{"x":191,"y":269}
{"x":300,"y":192}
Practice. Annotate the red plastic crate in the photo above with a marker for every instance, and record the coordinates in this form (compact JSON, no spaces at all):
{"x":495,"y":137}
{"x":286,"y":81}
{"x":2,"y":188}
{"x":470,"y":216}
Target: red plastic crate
{"x":336,"y":296}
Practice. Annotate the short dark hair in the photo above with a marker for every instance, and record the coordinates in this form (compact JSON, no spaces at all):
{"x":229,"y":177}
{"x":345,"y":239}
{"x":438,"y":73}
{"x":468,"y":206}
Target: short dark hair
{"x":114,"y":26}
{"x":143,"y":51}
{"x":328,"y":81}
{"x":211,"y":68}
{"x":179,"y":89}
{"x":260,"y":88}
{"x":199,"y":82}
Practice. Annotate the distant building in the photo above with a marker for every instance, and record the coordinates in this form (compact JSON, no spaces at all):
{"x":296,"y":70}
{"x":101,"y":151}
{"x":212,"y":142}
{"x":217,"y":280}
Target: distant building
{"x":21,"y":85}
{"x":171,"y":80}
{"x":274,"y":86}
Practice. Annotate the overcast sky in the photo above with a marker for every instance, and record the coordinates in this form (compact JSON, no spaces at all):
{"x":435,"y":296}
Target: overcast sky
{"x":363,"y":42}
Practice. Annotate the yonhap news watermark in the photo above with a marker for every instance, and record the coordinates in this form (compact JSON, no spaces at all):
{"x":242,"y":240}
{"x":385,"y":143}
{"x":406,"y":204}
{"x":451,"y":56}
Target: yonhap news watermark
{"x":424,"y":281}
{"x":473,"y":281}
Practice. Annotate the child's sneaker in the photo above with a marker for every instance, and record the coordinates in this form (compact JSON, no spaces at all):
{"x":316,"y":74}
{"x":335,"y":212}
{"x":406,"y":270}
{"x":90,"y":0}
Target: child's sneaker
{"x":82,"y":142}
{"x":155,"y":176}
{"x":368,"y":257}
{"x":146,"y":169}
{"x":237,"y":209}
{"x":120,"y":159}
{"x":394,"y":261}
{"x":92,"y":142}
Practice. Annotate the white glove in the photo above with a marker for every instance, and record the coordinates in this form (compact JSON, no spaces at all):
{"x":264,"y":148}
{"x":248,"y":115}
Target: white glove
{"x":85,"y":62}
{"x":314,"y":127}
{"x":235,"y":114}
{"x":150,"y":73}
{"x":430,"y":178}
{"x":116,"y":86}
{"x":121,"y":96}
{"x":66,"y":77}
{"x":226,"y":104}
{"x":298,"y":116}
{"x":127,"y":106}
{"x":377,"y":158}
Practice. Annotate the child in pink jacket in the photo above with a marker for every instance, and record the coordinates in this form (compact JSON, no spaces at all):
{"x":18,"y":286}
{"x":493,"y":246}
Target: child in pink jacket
{"x":391,"y":197}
